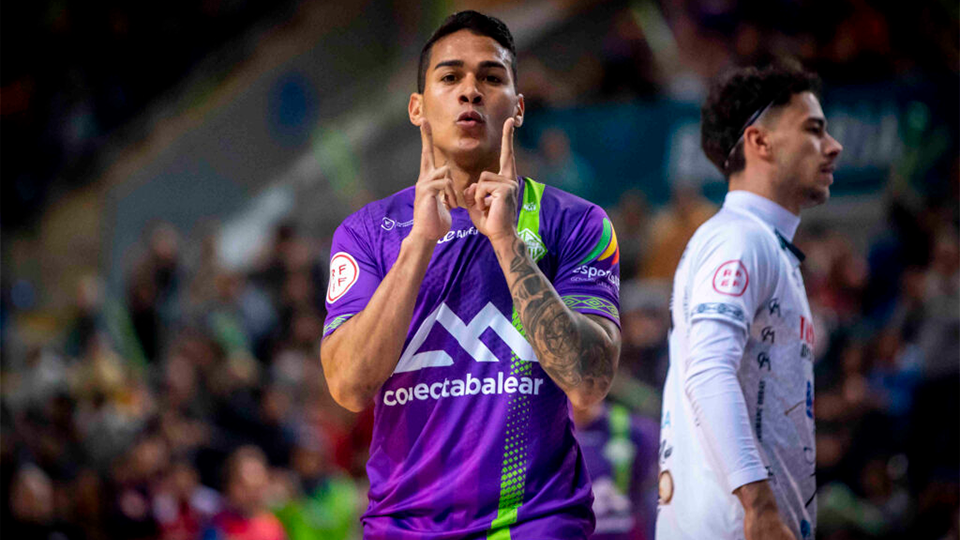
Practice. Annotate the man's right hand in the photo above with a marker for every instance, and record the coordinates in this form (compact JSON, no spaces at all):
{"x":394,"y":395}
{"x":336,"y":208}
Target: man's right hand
{"x":361,"y":355}
{"x":761,"y":519}
{"x":435,"y":195}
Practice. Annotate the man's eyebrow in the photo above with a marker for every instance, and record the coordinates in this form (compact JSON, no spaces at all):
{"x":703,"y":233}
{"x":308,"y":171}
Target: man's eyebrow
{"x":449,"y":63}
{"x":492,"y":64}
{"x":486,"y":64}
{"x":820,"y":122}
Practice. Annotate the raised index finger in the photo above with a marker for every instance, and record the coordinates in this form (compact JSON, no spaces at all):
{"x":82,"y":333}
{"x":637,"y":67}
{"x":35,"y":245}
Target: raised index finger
{"x":426,"y":156}
{"x":508,"y":166}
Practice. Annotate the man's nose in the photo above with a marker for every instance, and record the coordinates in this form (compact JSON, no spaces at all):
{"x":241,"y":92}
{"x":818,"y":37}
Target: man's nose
{"x":469,"y":93}
{"x":834,"y":147}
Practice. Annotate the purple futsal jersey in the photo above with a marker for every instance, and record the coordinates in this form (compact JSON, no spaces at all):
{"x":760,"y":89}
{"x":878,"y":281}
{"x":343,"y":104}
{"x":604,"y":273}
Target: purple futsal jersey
{"x":471,"y":437}
{"x":620,"y":450}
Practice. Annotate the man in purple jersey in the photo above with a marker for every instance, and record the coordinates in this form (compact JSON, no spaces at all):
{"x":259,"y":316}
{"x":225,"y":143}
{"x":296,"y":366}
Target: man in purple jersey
{"x":471,"y":309}
{"x":620,"y":450}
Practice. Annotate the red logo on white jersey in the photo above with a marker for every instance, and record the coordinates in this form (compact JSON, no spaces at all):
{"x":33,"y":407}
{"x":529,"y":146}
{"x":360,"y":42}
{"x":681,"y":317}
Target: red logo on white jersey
{"x":806,"y":331}
{"x":731,"y":278}
{"x":343,"y":274}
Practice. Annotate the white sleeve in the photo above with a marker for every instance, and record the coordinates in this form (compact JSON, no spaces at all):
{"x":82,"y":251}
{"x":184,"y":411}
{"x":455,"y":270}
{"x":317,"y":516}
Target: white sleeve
{"x":715,"y":349}
{"x":729,"y":282}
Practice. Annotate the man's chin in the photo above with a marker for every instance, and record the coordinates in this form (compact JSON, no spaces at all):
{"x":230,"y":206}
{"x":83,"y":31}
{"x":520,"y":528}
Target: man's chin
{"x":818,"y":196}
{"x":470,"y":150}
{"x":469,"y":144}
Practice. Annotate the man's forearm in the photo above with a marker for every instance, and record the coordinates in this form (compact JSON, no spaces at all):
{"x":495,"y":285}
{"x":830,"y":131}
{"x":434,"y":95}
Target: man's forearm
{"x":576,"y":352}
{"x":711,"y":384}
{"x":761,"y":518}
{"x":362,"y":354}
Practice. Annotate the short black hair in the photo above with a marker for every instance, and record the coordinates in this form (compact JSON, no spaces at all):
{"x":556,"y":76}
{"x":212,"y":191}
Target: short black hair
{"x":478,"y":23}
{"x":738,"y":95}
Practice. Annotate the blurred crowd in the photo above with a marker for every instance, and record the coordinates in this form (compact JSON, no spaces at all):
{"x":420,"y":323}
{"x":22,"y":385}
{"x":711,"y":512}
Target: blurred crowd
{"x":193,"y":407}
{"x":74,"y":74}
{"x":889,"y":375}
{"x":650,"y":49}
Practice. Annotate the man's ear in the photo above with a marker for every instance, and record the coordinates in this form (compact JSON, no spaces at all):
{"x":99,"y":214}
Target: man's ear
{"x":759,"y":140}
{"x":415,"y":108}
{"x":521,"y":108}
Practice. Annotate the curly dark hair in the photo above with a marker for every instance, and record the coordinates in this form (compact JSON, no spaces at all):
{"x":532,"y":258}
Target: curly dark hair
{"x":478,"y":23}
{"x":736,"y":98}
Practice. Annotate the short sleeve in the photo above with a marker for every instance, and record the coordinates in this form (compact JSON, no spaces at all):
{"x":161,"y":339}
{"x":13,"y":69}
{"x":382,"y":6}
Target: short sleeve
{"x":588,"y":268}
{"x":728,"y":276}
{"x":354,"y":274}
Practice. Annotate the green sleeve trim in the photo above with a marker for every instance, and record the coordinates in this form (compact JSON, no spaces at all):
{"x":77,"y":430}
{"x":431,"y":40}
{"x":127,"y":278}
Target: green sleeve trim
{"x":335,"y":323}
{"x":579,"y":302}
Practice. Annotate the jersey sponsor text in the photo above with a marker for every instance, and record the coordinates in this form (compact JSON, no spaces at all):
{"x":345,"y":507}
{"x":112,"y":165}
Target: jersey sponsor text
{"x":470,"y":386}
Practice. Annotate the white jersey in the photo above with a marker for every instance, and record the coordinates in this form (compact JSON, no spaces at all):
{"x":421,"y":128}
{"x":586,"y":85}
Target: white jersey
{"x":738,"y":399}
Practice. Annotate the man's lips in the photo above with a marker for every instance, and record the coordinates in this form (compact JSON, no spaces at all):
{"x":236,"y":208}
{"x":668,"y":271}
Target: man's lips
{"x":827,"y":170}
{"x":469,"y":119}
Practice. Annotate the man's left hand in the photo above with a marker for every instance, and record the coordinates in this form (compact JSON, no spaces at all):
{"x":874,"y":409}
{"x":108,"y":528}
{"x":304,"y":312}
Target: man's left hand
{"x":492,"y":201}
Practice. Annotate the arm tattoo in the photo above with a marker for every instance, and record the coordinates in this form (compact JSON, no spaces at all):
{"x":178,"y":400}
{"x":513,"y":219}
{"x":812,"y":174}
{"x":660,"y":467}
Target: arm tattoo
{"x":571,"y":349}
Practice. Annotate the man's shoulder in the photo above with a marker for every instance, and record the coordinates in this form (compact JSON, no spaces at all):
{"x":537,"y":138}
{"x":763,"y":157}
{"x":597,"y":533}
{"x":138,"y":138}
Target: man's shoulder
{"x":733,"y":230}
{"x":559,"y":199}
{"x":560,"y":208}
{"x":388,"y":212}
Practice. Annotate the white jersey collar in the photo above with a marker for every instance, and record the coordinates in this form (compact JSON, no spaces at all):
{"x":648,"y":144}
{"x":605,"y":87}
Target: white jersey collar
{"x":768,"y":211}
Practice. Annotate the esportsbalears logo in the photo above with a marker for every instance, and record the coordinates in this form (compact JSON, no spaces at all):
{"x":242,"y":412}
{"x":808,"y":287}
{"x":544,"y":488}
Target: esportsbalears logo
{"x":598,"y":273}
{"x":471,"y":386}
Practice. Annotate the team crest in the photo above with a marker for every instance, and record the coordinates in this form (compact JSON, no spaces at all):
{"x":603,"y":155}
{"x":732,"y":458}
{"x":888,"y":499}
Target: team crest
{"x":534,"y":244}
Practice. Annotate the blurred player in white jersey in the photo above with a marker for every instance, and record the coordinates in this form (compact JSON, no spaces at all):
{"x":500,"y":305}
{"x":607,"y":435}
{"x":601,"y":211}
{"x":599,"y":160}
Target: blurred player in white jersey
{"x":737,"y":453}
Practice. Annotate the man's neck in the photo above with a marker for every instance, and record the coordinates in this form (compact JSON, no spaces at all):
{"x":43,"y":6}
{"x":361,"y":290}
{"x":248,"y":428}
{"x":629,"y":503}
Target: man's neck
{"x":462,"y":179}
{"x":762,"y":183}
{"x":465,"y":174}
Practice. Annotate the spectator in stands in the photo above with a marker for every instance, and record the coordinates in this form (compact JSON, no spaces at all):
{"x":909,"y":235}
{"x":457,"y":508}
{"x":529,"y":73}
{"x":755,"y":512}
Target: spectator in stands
{"x":562,"y":167}
{"x":182,"y":506}
{"x":327,"y":504}
{"x":136,"y":477}
{"x":153,"y":287}
{"x":32,"y":507}
{"x":631,"y":217}
{"x":245,"y":516}
{"x":673,"y":226}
